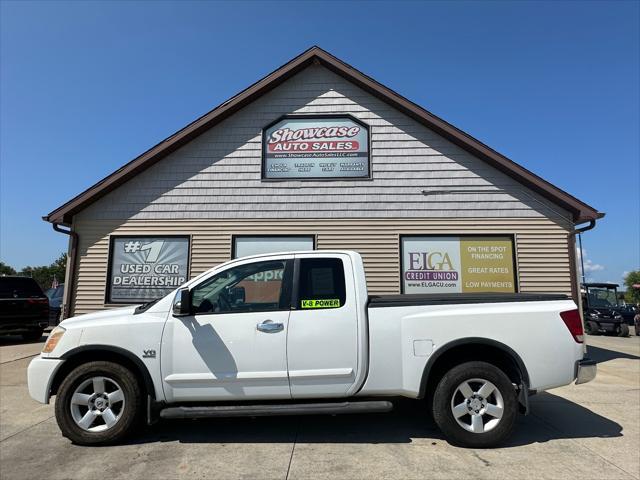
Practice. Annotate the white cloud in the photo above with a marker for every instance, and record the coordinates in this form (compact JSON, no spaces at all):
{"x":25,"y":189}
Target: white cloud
{"x":589,"y":266}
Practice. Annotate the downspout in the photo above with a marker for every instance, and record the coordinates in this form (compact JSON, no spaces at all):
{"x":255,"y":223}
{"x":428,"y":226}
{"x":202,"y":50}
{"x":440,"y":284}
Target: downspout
{"x":575,"y":282}
{"x":71,"y":267}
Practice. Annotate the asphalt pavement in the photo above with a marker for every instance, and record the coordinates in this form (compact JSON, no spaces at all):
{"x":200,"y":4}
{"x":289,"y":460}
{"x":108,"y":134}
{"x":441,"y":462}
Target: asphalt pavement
{"x":586,"y":431}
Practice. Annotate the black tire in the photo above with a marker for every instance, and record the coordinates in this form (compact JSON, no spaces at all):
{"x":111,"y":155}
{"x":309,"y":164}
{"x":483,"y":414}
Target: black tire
{"x":444,"y":395}
{"x":591,"y":328}
{"x":623,"y":331}
{"x":130,"y":413}
{"x":33,"y":335}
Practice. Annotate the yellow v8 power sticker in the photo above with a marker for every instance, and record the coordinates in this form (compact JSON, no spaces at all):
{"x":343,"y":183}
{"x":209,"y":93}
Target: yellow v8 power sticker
{"x":330,"y":303}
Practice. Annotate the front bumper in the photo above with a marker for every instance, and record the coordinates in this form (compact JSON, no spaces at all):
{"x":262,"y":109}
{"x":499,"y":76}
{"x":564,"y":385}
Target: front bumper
{"x":586,"y":370}
{"x":40,"y":377}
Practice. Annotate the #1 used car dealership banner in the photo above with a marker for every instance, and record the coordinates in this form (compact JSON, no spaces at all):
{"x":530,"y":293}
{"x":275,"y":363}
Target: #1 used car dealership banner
{"x":316,"y":147}
{"x":439,"y":264}
{"x":146,"y":268}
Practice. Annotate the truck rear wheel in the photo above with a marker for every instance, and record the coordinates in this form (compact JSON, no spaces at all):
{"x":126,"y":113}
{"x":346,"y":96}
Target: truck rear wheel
{"x":98,"y":403}
{"x":475,"y":405}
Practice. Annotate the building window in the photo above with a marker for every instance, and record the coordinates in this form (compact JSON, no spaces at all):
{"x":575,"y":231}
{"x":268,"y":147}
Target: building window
{"x":143,"y":268}
{"x":256,"y":245}
{"x":461,"y":263}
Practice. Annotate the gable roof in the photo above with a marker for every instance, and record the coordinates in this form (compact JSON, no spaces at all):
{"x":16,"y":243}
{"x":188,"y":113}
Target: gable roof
{"x":580,"y":210}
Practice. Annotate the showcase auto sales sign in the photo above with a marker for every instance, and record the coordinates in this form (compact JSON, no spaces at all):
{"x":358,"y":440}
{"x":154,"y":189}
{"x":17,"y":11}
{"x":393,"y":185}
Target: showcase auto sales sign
{"x":316,"y":147}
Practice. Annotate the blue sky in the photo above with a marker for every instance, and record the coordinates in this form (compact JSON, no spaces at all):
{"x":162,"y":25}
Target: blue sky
{"x":87,"y":86}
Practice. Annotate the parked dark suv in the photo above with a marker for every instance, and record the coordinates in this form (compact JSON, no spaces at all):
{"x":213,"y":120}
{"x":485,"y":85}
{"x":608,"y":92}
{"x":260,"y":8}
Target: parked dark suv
{"x":24,"y":308}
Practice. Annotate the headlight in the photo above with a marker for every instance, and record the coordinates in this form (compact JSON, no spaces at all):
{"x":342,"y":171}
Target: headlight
{"x":54,"y":338}
{"x":618,"y":316}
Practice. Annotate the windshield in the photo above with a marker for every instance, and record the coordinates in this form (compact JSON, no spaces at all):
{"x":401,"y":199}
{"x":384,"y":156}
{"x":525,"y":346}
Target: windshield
{"x":602,"y":297}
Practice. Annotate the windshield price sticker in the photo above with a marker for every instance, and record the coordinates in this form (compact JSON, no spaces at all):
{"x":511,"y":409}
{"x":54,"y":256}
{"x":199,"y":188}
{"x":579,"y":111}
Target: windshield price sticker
{"x":332,"y":303}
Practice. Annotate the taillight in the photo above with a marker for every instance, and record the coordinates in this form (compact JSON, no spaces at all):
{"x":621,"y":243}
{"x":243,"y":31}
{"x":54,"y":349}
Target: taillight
{"x":572,"y":320}
{"x":39,"y":301}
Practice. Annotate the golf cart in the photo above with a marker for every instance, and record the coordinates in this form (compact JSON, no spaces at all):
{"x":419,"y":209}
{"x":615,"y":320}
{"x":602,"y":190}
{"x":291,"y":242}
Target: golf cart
{"x":602,"y":310}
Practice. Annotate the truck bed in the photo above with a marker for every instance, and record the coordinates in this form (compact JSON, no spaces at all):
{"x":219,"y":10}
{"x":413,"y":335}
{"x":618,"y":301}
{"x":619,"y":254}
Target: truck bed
{"x":417,"y":299}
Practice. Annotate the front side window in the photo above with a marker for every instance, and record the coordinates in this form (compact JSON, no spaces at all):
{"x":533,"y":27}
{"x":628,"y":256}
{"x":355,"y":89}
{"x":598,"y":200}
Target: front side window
{"x":253,"y":287}
{"x":321,"y":283}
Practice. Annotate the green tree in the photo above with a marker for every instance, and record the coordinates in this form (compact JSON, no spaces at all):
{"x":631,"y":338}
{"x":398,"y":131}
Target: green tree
{"x":633,"y":294}
{"x":44,"y":275}
{"x":6,"y":269}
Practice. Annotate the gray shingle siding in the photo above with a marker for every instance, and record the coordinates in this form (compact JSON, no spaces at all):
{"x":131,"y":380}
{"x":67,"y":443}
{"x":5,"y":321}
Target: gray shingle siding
{"x":217,"y":175}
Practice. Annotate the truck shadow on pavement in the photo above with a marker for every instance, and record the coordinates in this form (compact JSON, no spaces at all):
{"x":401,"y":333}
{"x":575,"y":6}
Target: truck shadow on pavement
{"x":601,"y":355}
{"x":553,"y":418}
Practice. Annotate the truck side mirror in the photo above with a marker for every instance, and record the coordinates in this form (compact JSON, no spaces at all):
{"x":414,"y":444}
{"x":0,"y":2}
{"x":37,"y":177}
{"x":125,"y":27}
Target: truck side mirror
{"x":182,"y":303}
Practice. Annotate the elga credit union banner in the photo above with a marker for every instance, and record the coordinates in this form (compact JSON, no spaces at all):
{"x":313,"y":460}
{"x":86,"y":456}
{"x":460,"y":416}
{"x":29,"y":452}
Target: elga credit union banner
{"x":316,"y":147}
{"x":458,"y":264}
{"x":146,"y":268}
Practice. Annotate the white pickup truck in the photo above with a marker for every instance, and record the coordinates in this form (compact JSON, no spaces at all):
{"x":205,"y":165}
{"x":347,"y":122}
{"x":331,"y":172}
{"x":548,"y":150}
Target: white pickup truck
{"x":297,"y":333}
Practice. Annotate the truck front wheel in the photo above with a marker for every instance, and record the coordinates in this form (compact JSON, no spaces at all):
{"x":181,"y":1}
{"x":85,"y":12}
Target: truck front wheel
{"x":475,"y":405}
{"x":98,"y":403}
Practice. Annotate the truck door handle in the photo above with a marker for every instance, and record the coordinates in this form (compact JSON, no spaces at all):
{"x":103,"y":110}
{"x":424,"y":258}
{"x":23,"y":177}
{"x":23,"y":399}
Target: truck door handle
{"x":269,"y":327}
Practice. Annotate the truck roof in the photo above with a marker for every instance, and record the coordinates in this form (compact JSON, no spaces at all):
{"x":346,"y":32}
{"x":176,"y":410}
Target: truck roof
{"x":351,"y":253}
{"x":296,"y":252}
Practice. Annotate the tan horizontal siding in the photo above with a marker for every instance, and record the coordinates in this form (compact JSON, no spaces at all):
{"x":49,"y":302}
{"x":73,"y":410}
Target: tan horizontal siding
{"x":542,"y":253}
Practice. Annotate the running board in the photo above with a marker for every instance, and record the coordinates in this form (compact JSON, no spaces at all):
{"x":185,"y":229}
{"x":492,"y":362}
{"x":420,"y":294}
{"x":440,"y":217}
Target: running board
{"x":283,"y":409}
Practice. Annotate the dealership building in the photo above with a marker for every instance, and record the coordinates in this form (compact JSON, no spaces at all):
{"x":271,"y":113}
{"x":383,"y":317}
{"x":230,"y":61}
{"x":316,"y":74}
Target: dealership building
{"x":317,"y":155}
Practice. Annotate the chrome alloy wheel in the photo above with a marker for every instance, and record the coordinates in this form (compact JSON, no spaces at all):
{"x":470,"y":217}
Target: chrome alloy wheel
{"x":97,"y":404}
{"x":477,"y":405}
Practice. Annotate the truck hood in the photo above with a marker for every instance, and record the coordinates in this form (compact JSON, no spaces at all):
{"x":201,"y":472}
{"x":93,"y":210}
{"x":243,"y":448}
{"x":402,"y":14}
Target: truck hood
{"x":98,"y":316}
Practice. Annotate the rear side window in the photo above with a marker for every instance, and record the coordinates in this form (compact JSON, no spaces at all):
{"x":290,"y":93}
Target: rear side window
{"x":321,"y":283}
{"x":19,"y":287}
